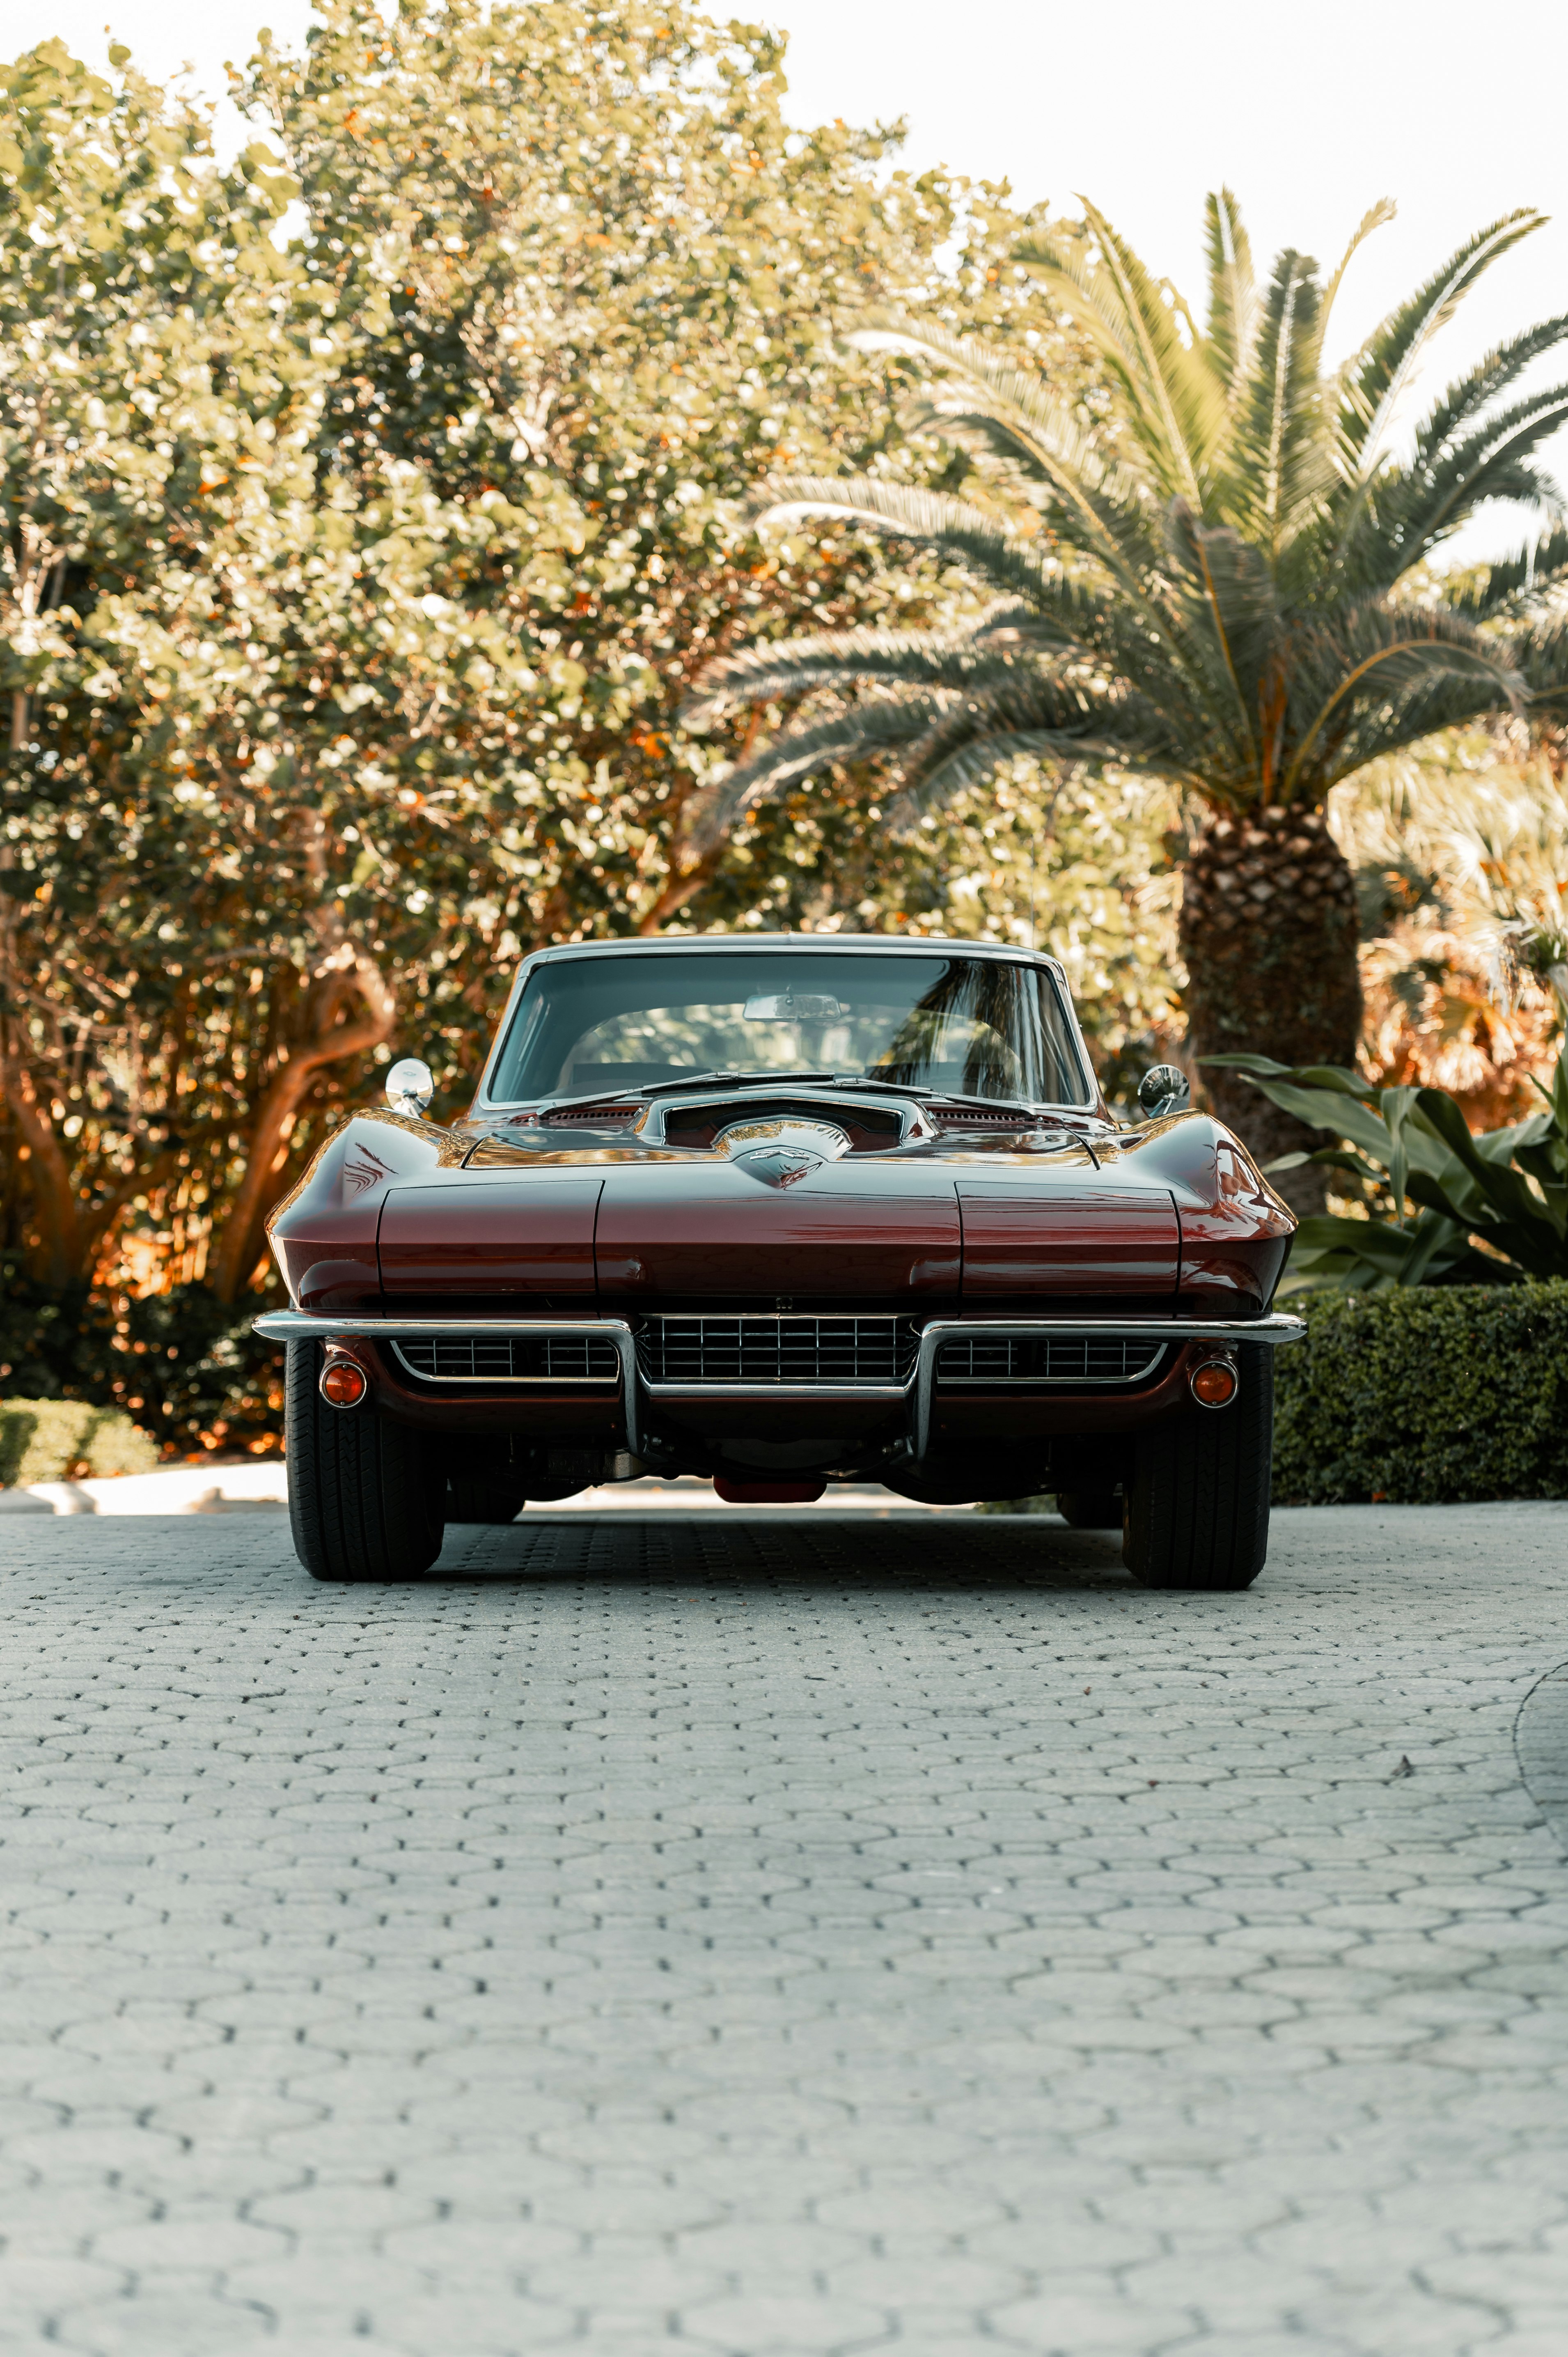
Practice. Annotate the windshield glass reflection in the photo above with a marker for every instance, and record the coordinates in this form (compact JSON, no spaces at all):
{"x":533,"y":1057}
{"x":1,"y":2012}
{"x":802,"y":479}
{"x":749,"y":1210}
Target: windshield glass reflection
{"x":955,"y":1025}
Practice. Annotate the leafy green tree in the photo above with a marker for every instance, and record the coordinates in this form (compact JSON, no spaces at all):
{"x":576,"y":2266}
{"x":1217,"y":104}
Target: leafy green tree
{"x":142,"y":367}
{"x":356,"y":578}
{"x":594,"y":280}
{"x":193,"y":609}
{"x":1218,"y":580}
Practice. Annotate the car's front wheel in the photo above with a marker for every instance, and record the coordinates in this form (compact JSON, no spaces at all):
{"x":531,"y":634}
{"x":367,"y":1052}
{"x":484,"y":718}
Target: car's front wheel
{"x":1198,"y":1504}
{"x":366,"y":1497}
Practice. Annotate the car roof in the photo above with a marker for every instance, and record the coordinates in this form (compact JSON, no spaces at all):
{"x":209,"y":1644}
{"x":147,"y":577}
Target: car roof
{"x":906,"y":945}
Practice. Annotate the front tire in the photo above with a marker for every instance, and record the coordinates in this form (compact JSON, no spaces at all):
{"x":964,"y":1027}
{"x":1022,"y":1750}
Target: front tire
{"x":365,"y":1496}
{"x":1197,"y":1505}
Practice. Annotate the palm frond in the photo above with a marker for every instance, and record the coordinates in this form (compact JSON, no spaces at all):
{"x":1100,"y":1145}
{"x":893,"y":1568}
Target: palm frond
{"x":1141,"y":633}
{"x":779,"y":671}
{"x":1359,"y":674}
{"x":1475,"y":469}
{"x":1542,"y":659}
{"x":1470,"y":394}
{"x":1375,"y":217}
{"x":1018,"y":397}
{"x":957,"y":530}
{"x":1279,"y":469}
{"x":1102,"y":509}
{"x":866,"y":499}
{"x":1232,"y":291}
{"x":971,"y":765}
{"x":1515,"y":583}
{"x":1173,"y":394}
{"x":1119,"y":538}
{"x":1413,"y":510}
{"x":1046,"y":446}
{"x":1420,"y":706}
{"x":1373,"y":381}
{"x":881,"y":725}
{"x":1046,"y":719}
{"x":1229,"y":592}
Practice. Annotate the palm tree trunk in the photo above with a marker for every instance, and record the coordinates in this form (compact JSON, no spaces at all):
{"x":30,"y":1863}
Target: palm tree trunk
{"x":1269,"y":934}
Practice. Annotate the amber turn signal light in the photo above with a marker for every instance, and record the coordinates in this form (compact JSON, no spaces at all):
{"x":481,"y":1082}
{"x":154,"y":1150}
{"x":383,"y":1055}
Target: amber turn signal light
{"x":343,"y":1384}
{"x":1214,"y":1382}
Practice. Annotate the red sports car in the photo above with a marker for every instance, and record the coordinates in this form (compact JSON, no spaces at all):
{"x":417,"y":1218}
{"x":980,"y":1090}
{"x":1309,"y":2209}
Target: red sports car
{"x":782,"y":1211}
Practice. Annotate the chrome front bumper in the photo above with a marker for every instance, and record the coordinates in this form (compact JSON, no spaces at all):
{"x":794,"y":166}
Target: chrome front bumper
{"x":379,"y":1325}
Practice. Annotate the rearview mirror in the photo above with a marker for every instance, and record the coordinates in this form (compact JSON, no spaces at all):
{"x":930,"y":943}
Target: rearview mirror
{"x":1164,"y":1088}
{"x":792,"y":1006}
{"x":411,"y":1084}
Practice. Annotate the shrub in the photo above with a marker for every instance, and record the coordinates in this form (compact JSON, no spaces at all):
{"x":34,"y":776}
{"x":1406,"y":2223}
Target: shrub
{"x":58,"y":1440}
{"x":184,"y":1365}
{"x":1425,"y":1395}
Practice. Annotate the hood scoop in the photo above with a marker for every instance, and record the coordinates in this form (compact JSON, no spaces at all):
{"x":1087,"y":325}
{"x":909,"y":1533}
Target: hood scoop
{"x":864,"y":1128}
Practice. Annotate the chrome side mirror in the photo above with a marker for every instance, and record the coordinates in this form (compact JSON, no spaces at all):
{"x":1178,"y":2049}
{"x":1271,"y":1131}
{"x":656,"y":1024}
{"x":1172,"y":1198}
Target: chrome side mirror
{"x":411,"y":1084}
{"x":1164,"y":1088}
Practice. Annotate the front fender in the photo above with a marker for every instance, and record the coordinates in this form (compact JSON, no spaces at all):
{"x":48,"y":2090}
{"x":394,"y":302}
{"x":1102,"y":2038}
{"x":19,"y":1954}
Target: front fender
{"x":323,"y":1233}
{"x":1235,"y":1230}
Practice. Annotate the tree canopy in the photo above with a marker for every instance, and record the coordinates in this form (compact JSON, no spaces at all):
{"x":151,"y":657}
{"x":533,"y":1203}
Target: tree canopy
{"x":371,"y":505}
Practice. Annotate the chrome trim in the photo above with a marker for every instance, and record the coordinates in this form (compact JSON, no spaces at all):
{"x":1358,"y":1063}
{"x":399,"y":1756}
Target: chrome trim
{"x":718,"y":1095}
{"x":302,"y":1326}
{"x":761,"y":1392}
{"x":1275,"y":1329}
{"x":380,"y":1326}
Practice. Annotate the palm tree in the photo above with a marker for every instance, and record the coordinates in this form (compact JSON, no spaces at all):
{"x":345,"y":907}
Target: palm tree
{"x":1214,"y":586}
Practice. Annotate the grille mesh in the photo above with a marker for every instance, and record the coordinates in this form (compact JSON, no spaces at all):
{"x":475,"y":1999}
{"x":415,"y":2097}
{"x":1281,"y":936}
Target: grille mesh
{"x":826,"y":1354}
{"x":953,"y":1117}
{"x":606,"y":1117}
{"x":1047,"y":1359}
{"x":510,"y":1359}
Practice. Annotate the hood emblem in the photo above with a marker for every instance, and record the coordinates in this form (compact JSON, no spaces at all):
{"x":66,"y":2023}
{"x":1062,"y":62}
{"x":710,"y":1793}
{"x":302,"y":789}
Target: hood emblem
{"x":789,"y":1132}
{"x":778,"y":1166}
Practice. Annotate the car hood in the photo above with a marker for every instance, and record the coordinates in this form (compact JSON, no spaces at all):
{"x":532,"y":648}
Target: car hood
{"x":394,"y":1204}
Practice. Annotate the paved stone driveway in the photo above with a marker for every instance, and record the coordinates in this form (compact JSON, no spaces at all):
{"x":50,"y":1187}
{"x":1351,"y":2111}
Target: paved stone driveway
{"x":769,"y":1938}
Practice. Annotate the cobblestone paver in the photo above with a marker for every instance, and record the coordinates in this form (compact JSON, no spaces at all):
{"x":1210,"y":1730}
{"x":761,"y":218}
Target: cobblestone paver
{"x":778,"y":1938}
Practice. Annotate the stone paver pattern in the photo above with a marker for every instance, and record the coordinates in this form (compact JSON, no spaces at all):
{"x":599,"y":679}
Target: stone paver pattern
{"x":774,"y":1937}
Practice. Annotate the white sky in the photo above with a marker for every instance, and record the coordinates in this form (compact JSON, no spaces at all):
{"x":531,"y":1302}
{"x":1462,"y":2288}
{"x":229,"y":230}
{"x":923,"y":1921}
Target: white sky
{"x":1309,"y":109}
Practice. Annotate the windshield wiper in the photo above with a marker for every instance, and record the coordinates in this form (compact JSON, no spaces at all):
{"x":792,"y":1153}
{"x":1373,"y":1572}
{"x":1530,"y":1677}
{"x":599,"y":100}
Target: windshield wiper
{"x":776,"y":1079}
{"x":746,"y":1080}
{"x":939,"y":1096}
{"x":688,"y":1081}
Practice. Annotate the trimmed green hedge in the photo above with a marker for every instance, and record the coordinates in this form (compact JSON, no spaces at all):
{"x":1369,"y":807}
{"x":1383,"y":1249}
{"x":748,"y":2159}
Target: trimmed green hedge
{"x":1424,"y":1394}
{"x":46,"y":1440}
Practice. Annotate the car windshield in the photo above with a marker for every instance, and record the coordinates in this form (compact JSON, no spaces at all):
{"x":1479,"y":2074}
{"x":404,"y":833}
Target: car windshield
{"x":961,"y":1026}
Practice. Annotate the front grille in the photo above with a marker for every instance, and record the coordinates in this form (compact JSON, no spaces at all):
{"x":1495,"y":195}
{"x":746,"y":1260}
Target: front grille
{"x":1047,"y":1359}
{"x":508,"y":1358}
{"x":810,"y":1353}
